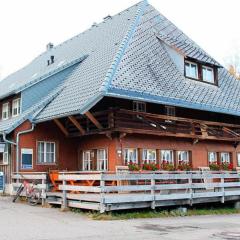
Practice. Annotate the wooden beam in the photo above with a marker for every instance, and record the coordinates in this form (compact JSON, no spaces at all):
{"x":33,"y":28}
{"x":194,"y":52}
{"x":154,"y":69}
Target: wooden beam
{"x":62,"y":128}
{"x":93,"y":120}
{"x":204,"y":130}
{"x":77,"y":124}
{"x":231,"y":132}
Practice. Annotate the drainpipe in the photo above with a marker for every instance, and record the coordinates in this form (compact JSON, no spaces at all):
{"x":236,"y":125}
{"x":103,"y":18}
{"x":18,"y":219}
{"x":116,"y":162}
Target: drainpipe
{"x":17,"y":143}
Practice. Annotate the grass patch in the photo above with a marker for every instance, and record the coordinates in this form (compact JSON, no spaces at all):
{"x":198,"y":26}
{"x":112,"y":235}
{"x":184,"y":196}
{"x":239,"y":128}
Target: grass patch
{"x":160,"y":213}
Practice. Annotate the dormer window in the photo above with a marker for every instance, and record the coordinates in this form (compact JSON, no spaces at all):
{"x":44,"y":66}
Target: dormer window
{"x":5,"y":111}
{"x":207,"y":74}
{"x":16,"y":107}
{"x":201,"y":72}
{"x":191,"y":70}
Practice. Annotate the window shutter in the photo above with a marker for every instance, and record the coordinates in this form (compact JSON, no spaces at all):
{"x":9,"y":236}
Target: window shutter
{"x":5,"y":158}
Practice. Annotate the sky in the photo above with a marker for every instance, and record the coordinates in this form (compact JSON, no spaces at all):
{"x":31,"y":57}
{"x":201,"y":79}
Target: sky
{"x":27,"y":26}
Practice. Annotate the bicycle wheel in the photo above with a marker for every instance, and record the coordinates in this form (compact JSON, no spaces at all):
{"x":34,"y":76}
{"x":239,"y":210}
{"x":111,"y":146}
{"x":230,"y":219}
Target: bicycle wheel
{"x":34,"y":197}
{"x":19,"y":191}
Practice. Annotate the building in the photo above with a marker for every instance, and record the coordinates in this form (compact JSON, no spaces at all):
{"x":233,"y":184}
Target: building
{"x":133,"y":88}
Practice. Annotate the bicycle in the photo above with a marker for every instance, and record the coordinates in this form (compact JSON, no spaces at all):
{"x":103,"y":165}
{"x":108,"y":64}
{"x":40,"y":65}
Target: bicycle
{"x":33,"y":194}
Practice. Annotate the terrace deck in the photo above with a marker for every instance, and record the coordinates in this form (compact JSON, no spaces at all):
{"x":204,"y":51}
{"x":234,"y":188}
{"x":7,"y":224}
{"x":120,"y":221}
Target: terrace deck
{"x":145,"y":190}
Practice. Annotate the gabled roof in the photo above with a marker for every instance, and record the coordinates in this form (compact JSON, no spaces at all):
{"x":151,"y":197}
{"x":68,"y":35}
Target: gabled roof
{"x":127,"y":58}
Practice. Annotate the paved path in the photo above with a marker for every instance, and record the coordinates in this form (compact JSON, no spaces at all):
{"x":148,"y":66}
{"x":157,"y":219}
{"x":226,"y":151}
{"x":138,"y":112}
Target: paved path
{"x":22,"y":222}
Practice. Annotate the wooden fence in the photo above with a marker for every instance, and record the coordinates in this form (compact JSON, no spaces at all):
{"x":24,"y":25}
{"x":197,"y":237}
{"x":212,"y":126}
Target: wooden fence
{"x":40,"y":180}
{"x":107,"y":192}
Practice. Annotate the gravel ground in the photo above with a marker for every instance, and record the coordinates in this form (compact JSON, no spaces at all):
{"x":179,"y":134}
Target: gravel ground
{"x":22,"y":222}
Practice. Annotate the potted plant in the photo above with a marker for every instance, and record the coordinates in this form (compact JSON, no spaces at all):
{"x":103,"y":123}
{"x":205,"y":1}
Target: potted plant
{"x":214,"y":166}
{"x":184,"y":166}
{"x":133,"y":166}
{"x":167,"y":166}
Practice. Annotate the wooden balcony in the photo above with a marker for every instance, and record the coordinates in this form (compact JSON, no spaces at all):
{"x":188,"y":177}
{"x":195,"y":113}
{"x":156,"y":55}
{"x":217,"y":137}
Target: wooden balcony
{"x":129,"y":122}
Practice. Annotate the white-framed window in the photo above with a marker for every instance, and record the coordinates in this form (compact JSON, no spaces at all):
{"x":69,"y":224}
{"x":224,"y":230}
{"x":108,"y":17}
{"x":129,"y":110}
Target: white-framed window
{"x":139,"y":106}
{"x":191,"y":70}
{"x":5,"y":111}
{"x":183,"y":156}
{"x":208,"y":74}
{"x":4,"y":154}
{"x":26,"y":158}
{"x":130,"y":155}
{"x":167,"y":156}
{"x":238,"y":159}
{"x":149,"y":155}
{"x":225,"y":157}
{"x":16,"y":107}
{"x":170,"y":111}
{"x":212,"y":157}
{"x":102,"y":160}
{"x":87,"y":161}
{"x":46,"y":152}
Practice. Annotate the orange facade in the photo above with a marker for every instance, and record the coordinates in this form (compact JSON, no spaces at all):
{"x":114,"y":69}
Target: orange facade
{"x":69,"y":151}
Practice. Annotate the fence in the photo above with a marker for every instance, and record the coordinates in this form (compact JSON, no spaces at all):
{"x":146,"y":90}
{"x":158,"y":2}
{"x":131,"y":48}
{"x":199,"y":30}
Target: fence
{"x":106,"y":192}
{"x":39,"y":179}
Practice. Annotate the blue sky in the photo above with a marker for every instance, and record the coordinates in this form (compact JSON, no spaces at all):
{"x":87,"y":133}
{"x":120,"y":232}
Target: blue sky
{"x":26,"y":26}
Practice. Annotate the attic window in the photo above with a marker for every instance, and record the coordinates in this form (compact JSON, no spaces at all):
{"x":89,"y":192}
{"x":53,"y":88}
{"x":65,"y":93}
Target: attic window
{"x":201,"y":72}
{"x":191,"y":69}
{"x":208,"y":74}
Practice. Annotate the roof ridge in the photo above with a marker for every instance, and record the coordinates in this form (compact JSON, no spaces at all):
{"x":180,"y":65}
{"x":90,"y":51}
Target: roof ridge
{"x":123,"y":46}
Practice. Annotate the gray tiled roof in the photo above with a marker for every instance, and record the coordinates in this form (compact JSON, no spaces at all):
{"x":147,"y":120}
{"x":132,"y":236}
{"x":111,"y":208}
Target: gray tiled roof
{"x":127,"y":58}
{"x":147,"y":71}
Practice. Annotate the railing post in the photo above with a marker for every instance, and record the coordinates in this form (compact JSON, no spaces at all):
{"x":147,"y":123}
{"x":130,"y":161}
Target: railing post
{"x":153,"y":182}
{"x":43,"y":191}
{"x":64,"y":196}
{"x":102,"y":185}
{"x":222,"y":189}
{"x":190,"y":189}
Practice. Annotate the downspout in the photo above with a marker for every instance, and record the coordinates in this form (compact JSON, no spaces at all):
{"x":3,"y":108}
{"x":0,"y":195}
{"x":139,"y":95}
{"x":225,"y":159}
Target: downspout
{"x":17,"y":143}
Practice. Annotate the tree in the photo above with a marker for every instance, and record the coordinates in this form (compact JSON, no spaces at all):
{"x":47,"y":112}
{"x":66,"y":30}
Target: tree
{"x":233,"y":64}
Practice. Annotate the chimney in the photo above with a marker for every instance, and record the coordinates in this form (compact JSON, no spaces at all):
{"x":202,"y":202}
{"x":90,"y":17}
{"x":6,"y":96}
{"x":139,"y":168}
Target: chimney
{"x":52,"y":59}
{"x":49,"y":46}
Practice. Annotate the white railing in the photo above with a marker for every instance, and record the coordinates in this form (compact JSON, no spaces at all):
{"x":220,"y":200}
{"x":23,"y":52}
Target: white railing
{"x":39,"y":179}
{"x":121,"y":190}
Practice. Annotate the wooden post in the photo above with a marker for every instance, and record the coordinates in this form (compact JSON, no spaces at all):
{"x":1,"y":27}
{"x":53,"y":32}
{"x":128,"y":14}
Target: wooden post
{"x":64,"y":206}
{"x":153,"y":203}
{"x":43,"y":192}
{"x":102,"y":204}
{"x":190,"y":189}
{"x":222,"y":189}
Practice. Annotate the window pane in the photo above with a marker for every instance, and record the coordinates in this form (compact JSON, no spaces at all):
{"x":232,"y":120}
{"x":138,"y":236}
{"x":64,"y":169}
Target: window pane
{"x":208,"y":75}
{"x":191,"y":70}
{"x":225,"y":157}
{"x":212,"y":157}
{"x":183,"y":156}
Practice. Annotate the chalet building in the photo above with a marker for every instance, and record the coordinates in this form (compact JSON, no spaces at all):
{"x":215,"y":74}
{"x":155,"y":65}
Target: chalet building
{"x":133,"y":88}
